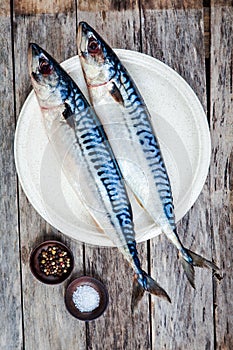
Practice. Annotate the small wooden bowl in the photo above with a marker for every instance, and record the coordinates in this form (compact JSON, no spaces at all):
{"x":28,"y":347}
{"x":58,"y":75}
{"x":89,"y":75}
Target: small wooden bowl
{"x":35,"y":266}
{"x":100,"y":289}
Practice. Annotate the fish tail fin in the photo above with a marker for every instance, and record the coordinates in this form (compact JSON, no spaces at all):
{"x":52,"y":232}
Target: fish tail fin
{"x":190,"y":260}
{"x":143,"y":282}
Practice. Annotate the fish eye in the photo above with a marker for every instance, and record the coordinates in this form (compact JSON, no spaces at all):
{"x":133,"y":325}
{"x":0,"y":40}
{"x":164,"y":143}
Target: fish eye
{"x":44,"y":67}
{"x":93,"y":46}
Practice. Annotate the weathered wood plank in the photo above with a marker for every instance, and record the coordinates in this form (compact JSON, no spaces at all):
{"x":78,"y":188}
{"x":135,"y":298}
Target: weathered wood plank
{"x":118,"y":22}
{"x":207,"y":31}
{"x":172,"y":4}
{"x":35,"y":7}
{"x":47,"y":324}
{"x":10,"y":285}
{"x":221,"y":169}
{"x":176,"y":37}
{"x":117,"y":329}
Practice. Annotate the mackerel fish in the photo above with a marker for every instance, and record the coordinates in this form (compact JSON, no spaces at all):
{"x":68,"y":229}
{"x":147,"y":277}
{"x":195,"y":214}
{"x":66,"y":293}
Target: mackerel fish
{"x":64,"y":108}
{"x":112,"y":90}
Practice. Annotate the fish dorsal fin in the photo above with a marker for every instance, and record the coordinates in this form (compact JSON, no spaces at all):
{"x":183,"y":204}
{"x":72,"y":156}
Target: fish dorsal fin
{"x":116,"y":94}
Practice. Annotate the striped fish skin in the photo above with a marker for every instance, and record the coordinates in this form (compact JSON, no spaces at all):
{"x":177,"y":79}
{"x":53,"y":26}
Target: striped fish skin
{"x":108,"y":81}
{"x":63,"y":103}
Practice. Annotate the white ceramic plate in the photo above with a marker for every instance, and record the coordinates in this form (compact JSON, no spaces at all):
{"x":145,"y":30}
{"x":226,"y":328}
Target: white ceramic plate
{"x":182,"y":130}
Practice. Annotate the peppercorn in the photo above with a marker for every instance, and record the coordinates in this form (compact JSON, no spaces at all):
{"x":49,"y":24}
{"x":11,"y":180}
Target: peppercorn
{"x":54,"y":261}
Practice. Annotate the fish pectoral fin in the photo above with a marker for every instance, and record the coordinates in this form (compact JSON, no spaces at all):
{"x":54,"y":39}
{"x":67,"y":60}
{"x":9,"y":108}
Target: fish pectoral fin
{"x":115,"y":93}
{"x":144,"y":282}
{"x":68,"y":115}
{"x":194,"y":260}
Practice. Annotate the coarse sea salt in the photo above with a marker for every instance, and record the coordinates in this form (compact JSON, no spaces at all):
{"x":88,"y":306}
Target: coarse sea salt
{"x":86,"y":298}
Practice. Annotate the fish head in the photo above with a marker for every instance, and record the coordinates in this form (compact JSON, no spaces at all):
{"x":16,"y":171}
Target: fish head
{"x":45,"y":75}
{"x":97,"y":58}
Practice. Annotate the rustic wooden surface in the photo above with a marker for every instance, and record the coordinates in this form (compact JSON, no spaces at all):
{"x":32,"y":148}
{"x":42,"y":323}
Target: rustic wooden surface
{"x":196,"y":39}
{"x":221,"y":104}
{"x":10,"y":285}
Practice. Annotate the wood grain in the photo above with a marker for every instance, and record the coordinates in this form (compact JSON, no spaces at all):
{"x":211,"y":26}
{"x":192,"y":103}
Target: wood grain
{"x":172,"y":4}
{"x":177,"y":38}
{"x":117,"y":329}
{"x":105,"y":5}
{"x":172,"y":31}
{"x":207,"y":31}
{"x":118,"y":5}
{"x":47,"y":324}
{"x":221,"y":169}
{"x":10,"y":283}
{"x":221,"y":3}
{"x":36,"y":7}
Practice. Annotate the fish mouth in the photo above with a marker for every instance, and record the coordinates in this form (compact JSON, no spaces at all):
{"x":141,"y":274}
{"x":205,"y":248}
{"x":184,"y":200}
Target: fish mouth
{"x":82,"y":38}
{"x":84,"y":27}
{"x":34,"y":49}
{"x":31,"y":55}
{"x":34,"y":52}
{"x":85,"y":32}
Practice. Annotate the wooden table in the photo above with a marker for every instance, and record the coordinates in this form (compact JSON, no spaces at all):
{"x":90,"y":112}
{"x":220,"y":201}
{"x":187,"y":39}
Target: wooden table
{"x":195,"y":38}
